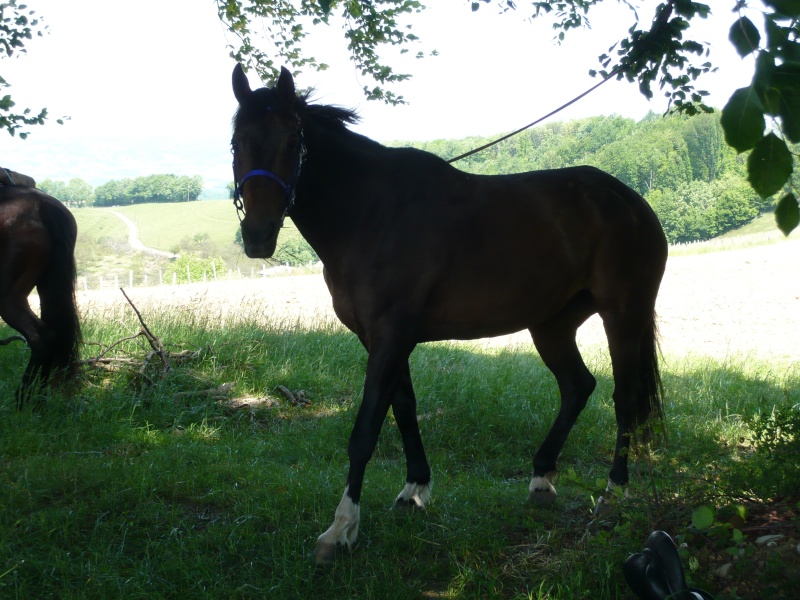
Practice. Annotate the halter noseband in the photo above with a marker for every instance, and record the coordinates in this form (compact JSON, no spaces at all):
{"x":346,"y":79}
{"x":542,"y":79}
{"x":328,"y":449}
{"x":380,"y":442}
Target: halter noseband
{"x":289,"y":188}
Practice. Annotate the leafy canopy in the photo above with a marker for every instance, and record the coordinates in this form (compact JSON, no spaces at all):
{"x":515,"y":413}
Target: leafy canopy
{"x":760,"y":118}
{"x":17,"y":25}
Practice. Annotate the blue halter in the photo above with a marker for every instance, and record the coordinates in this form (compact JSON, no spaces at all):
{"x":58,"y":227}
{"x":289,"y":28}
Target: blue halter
{"x":289,"y":189}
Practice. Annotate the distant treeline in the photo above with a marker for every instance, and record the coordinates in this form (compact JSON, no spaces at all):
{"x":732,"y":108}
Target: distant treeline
{"x":695,"y":183}
{"x":150,"y":188}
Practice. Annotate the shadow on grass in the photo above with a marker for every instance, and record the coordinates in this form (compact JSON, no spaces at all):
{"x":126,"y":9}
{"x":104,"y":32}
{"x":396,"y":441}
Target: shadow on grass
{"x":150,"y":491}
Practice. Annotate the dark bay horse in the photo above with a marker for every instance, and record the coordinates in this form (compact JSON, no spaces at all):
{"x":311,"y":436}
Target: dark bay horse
{"x":416,"y":250}
{"x":37,"y":249}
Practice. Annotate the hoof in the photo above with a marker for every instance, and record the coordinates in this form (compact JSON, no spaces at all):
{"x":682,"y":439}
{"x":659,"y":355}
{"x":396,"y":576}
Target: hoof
{"x":615,"y":493}
{"x":414,"y":495}
{"x":408,"y":503}
{"x":325,"y":554}
{"x":541,"y":491}
{"x":602,"y":507}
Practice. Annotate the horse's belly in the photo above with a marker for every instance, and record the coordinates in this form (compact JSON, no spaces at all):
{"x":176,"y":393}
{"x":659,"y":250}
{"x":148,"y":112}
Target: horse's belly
{"x":470,"y":318}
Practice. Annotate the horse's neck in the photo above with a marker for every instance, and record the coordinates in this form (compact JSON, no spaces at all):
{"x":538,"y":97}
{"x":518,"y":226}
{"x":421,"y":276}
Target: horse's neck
{"x":329,"y":206}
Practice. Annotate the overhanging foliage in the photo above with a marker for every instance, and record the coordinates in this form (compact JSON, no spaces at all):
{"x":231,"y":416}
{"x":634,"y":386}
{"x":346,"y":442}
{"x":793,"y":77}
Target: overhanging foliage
{"x":764,"y":115}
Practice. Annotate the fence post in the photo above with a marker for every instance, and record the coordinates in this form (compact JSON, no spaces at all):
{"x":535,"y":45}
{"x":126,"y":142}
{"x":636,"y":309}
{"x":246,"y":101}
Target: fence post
{"x":160,"y":277}
{"x":214,"y":269}
{"x":175,"y":278}
{"x":188,"y":275}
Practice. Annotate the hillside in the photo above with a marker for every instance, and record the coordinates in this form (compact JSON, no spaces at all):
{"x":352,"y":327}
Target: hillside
{"x":203,"y":233}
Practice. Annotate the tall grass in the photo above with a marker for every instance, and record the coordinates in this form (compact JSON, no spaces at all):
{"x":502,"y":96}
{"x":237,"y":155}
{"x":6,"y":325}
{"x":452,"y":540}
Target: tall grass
{"x":136,"y":490}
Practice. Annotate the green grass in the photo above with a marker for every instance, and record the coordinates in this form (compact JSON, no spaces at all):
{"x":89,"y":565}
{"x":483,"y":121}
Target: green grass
{"x":163,"y":226}
{"x":761,"y":224}
{"x":98,"y":223}
{"x":761,"y":231}
{"x":133,"y":490}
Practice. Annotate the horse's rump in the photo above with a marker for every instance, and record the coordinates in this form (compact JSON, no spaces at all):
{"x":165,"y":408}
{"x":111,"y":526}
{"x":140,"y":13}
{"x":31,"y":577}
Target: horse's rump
{"x":37,"y":250}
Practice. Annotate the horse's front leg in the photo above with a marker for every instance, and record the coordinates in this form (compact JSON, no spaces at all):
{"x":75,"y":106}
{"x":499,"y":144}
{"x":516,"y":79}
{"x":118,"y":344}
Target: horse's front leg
{"x":384,"y":375}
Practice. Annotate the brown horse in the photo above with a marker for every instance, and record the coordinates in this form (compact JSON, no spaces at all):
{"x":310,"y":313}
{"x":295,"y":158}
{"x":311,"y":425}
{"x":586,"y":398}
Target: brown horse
{"x":37,"y":249}
{"x":416,"y":250}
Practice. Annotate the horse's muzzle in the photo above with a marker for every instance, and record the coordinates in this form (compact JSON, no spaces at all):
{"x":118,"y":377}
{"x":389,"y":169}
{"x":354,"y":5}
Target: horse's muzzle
{"x":259,"y":242}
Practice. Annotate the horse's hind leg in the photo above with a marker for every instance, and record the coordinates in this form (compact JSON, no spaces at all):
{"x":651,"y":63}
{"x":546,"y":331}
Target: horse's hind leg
{"x":555,"y":341}
{"x":18,"y":315}
{"x":631,"y":344}
{"x":416,"y":492}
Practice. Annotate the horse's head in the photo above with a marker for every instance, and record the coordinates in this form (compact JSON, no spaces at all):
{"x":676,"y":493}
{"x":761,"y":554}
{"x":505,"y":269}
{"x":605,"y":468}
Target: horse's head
{"x":268,"y":153}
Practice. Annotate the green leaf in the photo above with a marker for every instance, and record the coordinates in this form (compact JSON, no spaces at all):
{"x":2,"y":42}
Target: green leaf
{"x":789,"y":112}
{"x":787,"y":214}
{"x":744,"y":36}
{"x":769,"y":165}
{"x":790,"y":8}
{"x":742,"y":119}
{"x":702,"y":518}
{"x":737,"y":536}
{"x":326,"y":6}
{"x":784,"y":86}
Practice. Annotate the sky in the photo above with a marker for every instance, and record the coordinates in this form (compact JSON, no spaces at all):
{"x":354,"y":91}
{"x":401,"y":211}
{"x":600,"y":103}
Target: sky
{"x":146,"y":83}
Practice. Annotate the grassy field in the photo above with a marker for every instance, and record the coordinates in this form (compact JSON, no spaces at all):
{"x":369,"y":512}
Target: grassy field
{"x":204,"y":230}
{"x":145,"y":485}
{"x":164,"y":226}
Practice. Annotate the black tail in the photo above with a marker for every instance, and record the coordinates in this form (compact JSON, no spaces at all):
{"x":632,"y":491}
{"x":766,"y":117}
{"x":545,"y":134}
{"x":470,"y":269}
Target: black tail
{"x":649,"y":408}
{"x":57,"y":292}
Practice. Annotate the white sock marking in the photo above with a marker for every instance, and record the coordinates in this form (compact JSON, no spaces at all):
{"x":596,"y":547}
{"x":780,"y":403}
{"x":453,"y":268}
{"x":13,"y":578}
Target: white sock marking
{"x":344,"y":531}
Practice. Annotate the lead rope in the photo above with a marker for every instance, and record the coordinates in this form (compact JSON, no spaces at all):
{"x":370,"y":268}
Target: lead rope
{"x":529,"y":125}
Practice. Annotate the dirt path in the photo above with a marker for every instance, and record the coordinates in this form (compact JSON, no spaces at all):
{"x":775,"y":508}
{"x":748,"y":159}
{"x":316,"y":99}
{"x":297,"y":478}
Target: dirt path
{"x":725,"y":304}
{"x":133,"y":237}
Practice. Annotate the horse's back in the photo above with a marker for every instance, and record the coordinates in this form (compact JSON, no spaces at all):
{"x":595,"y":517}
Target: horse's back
{"x":547,"y":224}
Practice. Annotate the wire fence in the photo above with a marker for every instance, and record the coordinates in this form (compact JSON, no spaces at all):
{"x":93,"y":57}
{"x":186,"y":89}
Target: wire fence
{"x":132,"y":278}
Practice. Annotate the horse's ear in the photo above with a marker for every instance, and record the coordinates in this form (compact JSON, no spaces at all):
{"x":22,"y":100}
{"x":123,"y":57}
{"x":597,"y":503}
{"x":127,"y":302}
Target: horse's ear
{"x":241,"y":87}
{"x":286,"y":86}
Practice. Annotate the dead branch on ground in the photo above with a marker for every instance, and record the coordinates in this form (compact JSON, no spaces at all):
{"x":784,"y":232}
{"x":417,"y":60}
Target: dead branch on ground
{"x":158,"y":353}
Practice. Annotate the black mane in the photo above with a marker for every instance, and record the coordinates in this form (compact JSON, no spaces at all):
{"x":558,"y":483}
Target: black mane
{"x":265,"y":100}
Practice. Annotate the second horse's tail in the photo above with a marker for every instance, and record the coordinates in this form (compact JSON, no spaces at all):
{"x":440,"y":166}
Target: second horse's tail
{"x":649,"y":408}
{"x":56,"y":288}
